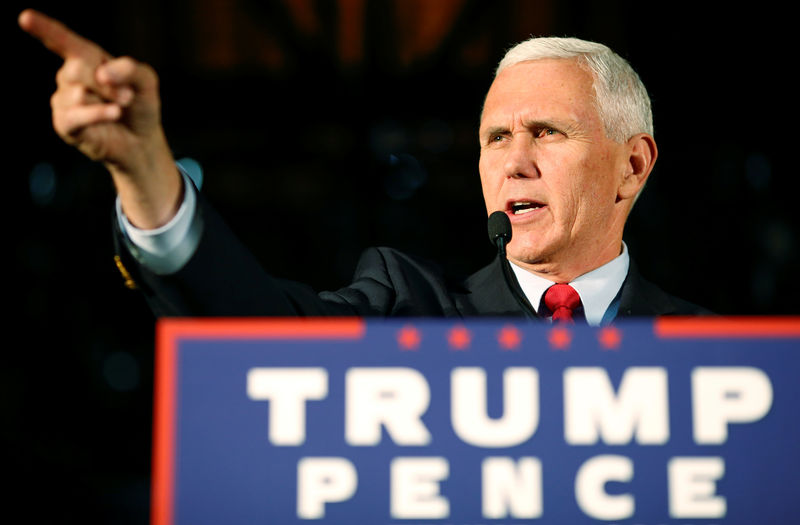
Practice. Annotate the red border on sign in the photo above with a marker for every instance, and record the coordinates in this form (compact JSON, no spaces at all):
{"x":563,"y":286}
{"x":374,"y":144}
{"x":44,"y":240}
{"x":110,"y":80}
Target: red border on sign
{"x":727,"y":327}
{"x":168,"y":333}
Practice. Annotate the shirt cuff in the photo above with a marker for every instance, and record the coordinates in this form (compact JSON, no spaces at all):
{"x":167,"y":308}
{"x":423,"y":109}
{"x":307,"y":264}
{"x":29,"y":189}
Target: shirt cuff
{"x":166,"y":249}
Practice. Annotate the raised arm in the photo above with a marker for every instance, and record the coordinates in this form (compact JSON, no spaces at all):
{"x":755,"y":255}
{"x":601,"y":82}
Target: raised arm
{"x":109,"y":109}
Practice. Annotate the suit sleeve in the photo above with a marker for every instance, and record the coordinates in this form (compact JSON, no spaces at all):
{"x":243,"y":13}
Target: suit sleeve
{"x":222,"y":278}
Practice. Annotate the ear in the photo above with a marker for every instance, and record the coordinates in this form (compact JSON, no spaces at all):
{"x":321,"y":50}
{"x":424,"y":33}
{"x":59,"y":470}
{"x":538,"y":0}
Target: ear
{"x":641,"y":159}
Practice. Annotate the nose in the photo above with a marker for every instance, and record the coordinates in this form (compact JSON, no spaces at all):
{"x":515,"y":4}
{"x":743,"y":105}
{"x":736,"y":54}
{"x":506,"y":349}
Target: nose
{"x":520,"y":159}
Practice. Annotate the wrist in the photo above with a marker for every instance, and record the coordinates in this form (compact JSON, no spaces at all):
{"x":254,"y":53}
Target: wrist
{"x":151,"y":189}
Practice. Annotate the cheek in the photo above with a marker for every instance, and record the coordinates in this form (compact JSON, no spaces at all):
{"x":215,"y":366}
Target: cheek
{"x":579,"y":191}
{"x":596,"y":196}
{"x":595,"y":174}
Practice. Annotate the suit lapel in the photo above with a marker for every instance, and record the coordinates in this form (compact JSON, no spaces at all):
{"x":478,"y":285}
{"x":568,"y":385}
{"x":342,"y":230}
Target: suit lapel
{"x":639,"y":297}
{"x":489,"y":293}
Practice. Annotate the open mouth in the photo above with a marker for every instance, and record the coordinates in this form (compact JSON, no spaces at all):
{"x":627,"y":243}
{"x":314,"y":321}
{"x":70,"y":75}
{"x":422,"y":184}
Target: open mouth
{"x":522,"y":207}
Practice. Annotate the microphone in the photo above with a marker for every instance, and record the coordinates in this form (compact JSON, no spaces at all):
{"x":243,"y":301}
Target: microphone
{"x":499,"y":227}
{"x":499,"y":231}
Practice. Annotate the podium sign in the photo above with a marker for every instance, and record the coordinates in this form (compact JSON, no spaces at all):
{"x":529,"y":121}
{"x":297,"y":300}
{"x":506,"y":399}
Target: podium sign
{"x":480,"y":422}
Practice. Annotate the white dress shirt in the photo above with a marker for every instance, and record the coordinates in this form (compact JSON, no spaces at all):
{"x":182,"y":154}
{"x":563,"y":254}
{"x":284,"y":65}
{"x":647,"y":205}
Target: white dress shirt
{"x":597,"y":289}
{"x":166,"y":249}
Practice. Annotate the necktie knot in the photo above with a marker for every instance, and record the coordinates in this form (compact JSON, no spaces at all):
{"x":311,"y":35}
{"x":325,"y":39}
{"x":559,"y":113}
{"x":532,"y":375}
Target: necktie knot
{"x":562,"y":300}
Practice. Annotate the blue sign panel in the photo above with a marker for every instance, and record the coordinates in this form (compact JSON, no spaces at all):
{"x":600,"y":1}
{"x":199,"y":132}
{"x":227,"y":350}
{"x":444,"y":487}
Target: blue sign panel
{"x":431,"y":421}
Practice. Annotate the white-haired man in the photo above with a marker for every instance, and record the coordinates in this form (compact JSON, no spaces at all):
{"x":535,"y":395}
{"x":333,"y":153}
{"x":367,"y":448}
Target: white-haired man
{"x":566,"y":147}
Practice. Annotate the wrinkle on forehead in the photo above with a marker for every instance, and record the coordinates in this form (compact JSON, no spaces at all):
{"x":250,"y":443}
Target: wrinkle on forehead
{"x":554,"y":93}
{"x":524,"y":79}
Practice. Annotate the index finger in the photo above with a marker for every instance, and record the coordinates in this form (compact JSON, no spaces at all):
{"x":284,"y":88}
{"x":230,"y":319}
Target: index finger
{"x":58,"y":38}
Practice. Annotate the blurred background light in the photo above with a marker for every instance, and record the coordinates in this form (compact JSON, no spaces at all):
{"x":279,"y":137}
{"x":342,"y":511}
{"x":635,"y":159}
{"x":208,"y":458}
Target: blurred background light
{"x":42,"y":183}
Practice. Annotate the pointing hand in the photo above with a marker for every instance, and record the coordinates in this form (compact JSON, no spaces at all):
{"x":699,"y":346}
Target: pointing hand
{"x":109,"y":109}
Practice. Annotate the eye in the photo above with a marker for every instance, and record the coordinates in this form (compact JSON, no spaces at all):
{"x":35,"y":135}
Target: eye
{"x":495,"y":138}
{"x":547,"y":132}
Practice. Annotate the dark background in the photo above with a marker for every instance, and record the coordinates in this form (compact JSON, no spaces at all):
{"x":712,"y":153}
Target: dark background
{"x":324,"y":127}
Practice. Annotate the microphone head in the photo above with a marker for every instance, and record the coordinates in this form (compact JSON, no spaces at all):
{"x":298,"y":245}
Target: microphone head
{"x":499,"y":228}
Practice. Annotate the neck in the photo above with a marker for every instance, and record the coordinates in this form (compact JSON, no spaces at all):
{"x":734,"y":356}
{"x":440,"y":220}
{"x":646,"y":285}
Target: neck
{"x":568,"y":270}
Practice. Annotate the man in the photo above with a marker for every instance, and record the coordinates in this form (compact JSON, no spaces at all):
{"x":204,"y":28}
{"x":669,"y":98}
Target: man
{"x":566,"y":147}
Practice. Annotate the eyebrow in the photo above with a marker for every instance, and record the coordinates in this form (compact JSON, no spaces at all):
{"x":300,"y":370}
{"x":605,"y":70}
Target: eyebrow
{"x":563,"y":125}
{"x":531,"y":124}
{"x":494,"y":130}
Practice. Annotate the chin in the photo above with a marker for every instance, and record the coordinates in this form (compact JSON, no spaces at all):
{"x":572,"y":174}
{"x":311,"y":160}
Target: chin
{"x":526,"y":255}
{"x":526,"y":246}
{"x":531,"y":253}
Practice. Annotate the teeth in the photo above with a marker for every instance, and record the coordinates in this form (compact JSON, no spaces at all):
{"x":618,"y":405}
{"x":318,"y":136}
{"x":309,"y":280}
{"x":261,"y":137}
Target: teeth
{"x":519,"y":208}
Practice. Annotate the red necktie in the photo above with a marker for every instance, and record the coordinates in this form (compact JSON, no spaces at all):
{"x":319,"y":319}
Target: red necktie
{"x":562,"y":299}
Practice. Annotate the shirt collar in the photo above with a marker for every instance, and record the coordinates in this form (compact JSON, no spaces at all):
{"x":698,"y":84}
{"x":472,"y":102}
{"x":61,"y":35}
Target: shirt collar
{"x":597,"y":289}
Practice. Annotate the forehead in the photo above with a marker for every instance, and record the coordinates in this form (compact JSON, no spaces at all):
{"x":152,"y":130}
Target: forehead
{"x":548,"y":88}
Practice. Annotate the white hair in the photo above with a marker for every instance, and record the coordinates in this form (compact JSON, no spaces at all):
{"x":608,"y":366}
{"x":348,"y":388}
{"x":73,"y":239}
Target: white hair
{"x":620,"y":95}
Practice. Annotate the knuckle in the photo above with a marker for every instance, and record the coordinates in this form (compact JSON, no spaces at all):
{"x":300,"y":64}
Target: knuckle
{"x":147,"y":69}
{"x":124,"y":66}
{"x":127,"y":61}
{"x":126,"y":69}
{"x":150,"y":74}
{"x":60,"y":127}
{"x":72,"y":71}
{"x":69,"y":96}
{"x":61,"y":75}
{"x":147,"y":74}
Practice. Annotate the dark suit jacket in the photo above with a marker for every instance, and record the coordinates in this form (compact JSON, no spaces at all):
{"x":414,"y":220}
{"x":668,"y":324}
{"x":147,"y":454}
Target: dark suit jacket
{"x":223,"y":279}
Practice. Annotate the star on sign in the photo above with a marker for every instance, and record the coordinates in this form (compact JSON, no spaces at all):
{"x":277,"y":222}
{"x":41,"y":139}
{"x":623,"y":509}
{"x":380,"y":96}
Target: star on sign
{"x":610,"y":338}
{"x":408,"y":338}
{"x":459,"y":337}
{"x":559,"y":338}
{"x":509,"y":337}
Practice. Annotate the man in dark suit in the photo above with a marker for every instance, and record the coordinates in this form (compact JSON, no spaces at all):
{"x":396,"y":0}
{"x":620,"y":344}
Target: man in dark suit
{"x":566,"y":147}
